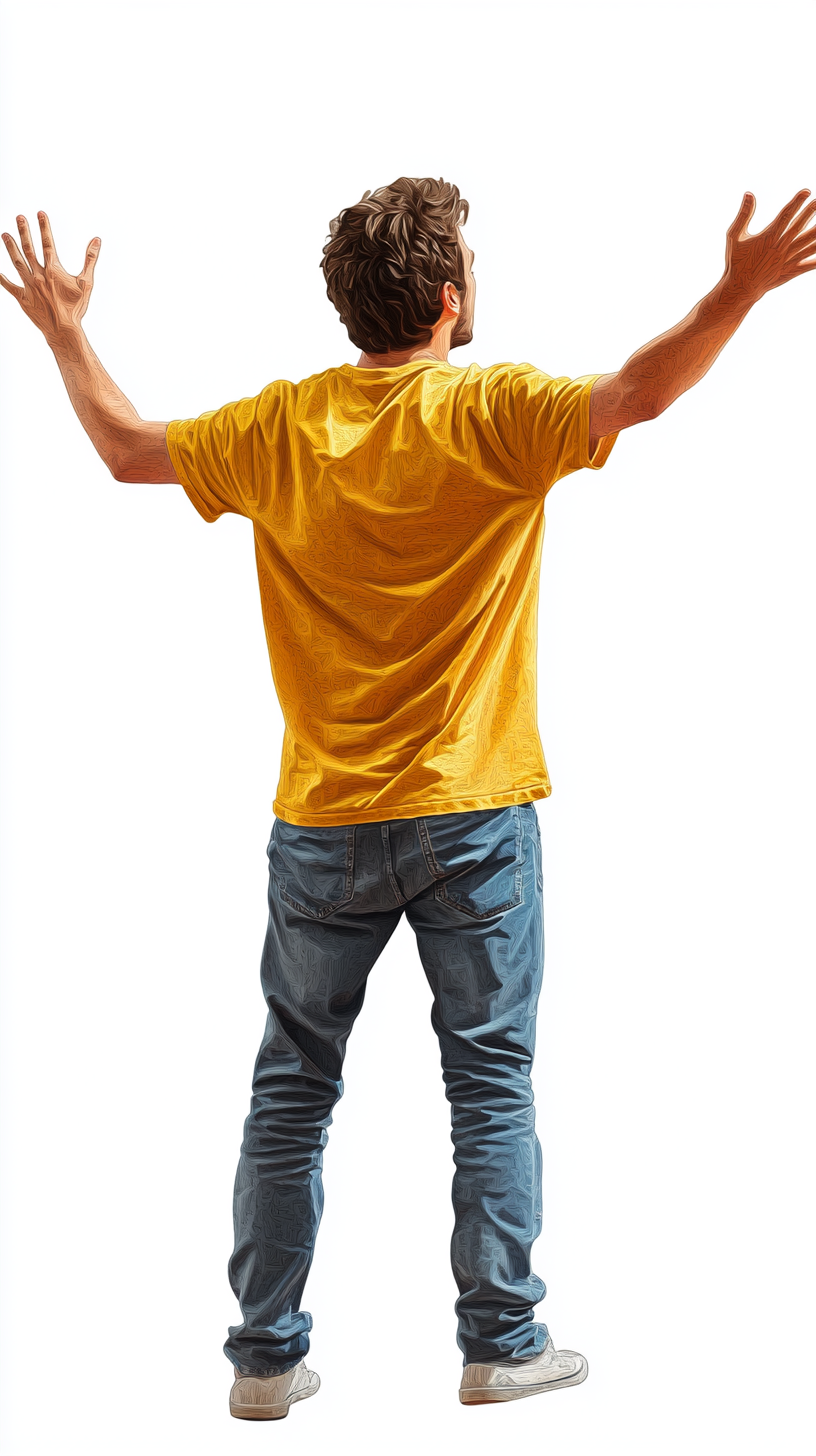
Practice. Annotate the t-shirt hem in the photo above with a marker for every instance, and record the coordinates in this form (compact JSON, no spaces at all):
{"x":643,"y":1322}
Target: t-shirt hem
{"x":466,"y":805}
{"x":603,"y":448}
{"x":202,"y":506}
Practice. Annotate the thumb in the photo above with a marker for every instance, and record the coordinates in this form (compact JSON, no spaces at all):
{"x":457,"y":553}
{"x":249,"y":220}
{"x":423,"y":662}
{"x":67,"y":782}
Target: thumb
{"x":745,"y":213}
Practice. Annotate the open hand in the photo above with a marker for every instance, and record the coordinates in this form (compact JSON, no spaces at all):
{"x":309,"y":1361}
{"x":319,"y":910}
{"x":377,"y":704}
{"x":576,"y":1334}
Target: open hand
{"x":756,"y":263}
{"x":52,"y":298}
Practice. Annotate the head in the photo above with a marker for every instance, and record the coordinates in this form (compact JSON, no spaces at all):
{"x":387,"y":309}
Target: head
{"x":396,"y":266}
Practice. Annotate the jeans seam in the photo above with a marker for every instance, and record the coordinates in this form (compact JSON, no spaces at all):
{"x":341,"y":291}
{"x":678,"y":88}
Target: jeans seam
{"x":386,"y":838}
{"x":427,"y":850}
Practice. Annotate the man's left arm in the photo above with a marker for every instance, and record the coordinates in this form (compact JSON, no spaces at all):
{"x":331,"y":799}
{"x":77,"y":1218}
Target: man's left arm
{"x":664,"y":369}
{"x":56,"y":301}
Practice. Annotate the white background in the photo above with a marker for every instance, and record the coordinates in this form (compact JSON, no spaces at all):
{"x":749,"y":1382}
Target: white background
{"x":604,"y":150}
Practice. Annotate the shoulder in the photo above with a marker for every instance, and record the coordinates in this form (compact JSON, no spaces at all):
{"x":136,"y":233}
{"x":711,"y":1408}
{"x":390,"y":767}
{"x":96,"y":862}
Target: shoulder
{"x":509,"y":376}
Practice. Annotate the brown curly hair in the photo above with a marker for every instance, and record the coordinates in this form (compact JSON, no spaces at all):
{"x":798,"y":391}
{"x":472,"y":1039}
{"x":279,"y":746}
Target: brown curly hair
{"x":388,"y":257}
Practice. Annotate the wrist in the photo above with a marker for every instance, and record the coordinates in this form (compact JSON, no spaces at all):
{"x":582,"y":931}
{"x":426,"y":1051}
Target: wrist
{"x":65,"y":338}
{"x":735,"y":292}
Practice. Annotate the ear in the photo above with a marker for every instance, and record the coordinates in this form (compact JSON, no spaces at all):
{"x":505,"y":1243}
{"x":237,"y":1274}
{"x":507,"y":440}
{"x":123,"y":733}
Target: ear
{"x":450,"y":297}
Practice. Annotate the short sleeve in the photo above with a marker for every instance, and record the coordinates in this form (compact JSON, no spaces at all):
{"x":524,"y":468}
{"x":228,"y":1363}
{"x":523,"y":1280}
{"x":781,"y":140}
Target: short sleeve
{"x":543,"y":424}
{"x":225,"y":459}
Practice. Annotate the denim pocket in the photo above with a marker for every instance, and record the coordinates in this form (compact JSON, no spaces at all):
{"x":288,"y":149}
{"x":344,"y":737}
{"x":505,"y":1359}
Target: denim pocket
{"x":476,"y":859}
{"x":313,"y":865}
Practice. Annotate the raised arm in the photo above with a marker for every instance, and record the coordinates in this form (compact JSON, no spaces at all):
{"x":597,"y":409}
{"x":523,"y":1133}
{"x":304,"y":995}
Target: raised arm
{"x":754,"y":264}
{"x":132,"y":448}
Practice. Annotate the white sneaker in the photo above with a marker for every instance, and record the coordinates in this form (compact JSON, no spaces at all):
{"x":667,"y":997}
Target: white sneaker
{"x":513,"y":1379}
{"x":268,"y":1397}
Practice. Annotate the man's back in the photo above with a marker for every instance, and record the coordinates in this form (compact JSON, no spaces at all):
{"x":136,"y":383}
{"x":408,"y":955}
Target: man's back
{"x":398,"y":519}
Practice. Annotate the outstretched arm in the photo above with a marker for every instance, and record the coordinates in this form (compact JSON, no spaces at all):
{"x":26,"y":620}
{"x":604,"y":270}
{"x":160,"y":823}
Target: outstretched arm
{"x":754,"y":264}
{"x":132,"y":448}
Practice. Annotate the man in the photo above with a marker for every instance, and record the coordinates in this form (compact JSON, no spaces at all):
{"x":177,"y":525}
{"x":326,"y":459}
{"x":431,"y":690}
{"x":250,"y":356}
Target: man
{"x":398,"y":514}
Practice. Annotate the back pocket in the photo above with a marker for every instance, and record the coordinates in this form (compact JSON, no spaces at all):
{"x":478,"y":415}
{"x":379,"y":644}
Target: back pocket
{"x":476,"y":859}
{"x":313,"y":866}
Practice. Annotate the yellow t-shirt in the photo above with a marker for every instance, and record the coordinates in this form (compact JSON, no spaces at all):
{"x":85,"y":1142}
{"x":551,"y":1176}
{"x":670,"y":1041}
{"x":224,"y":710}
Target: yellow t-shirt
{"x":399,"y":518}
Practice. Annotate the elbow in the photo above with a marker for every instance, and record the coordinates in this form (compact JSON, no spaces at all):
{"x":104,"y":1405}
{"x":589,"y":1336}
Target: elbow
{"x":647,"y":405}
{"x":121,"y":469}
{"x":623,"y":403}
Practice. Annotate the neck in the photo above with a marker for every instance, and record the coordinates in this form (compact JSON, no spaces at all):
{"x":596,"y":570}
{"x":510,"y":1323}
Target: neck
{"x":436,"y":350}
{"x":401,"y":356}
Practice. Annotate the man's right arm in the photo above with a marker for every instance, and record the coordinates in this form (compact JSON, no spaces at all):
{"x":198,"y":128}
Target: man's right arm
{"x":654,"y":377}
{"x":664,"y":369}
{"x":133,"y":449}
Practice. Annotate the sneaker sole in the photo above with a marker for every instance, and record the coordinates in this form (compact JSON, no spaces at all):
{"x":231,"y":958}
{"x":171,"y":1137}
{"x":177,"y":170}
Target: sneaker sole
{"x":492,"y":1395}
{"x":273,"y":1412}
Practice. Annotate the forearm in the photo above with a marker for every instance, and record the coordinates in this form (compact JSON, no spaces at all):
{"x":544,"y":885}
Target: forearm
{"x":654,"y":377}
{"x":105,"y":413}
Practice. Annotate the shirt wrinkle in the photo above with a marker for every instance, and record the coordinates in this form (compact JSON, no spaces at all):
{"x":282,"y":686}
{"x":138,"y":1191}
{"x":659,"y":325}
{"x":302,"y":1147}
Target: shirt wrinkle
{"x":398,"y":523}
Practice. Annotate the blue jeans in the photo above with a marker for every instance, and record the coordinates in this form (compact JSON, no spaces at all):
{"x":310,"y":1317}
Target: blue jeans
{"x":471,"y":887}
